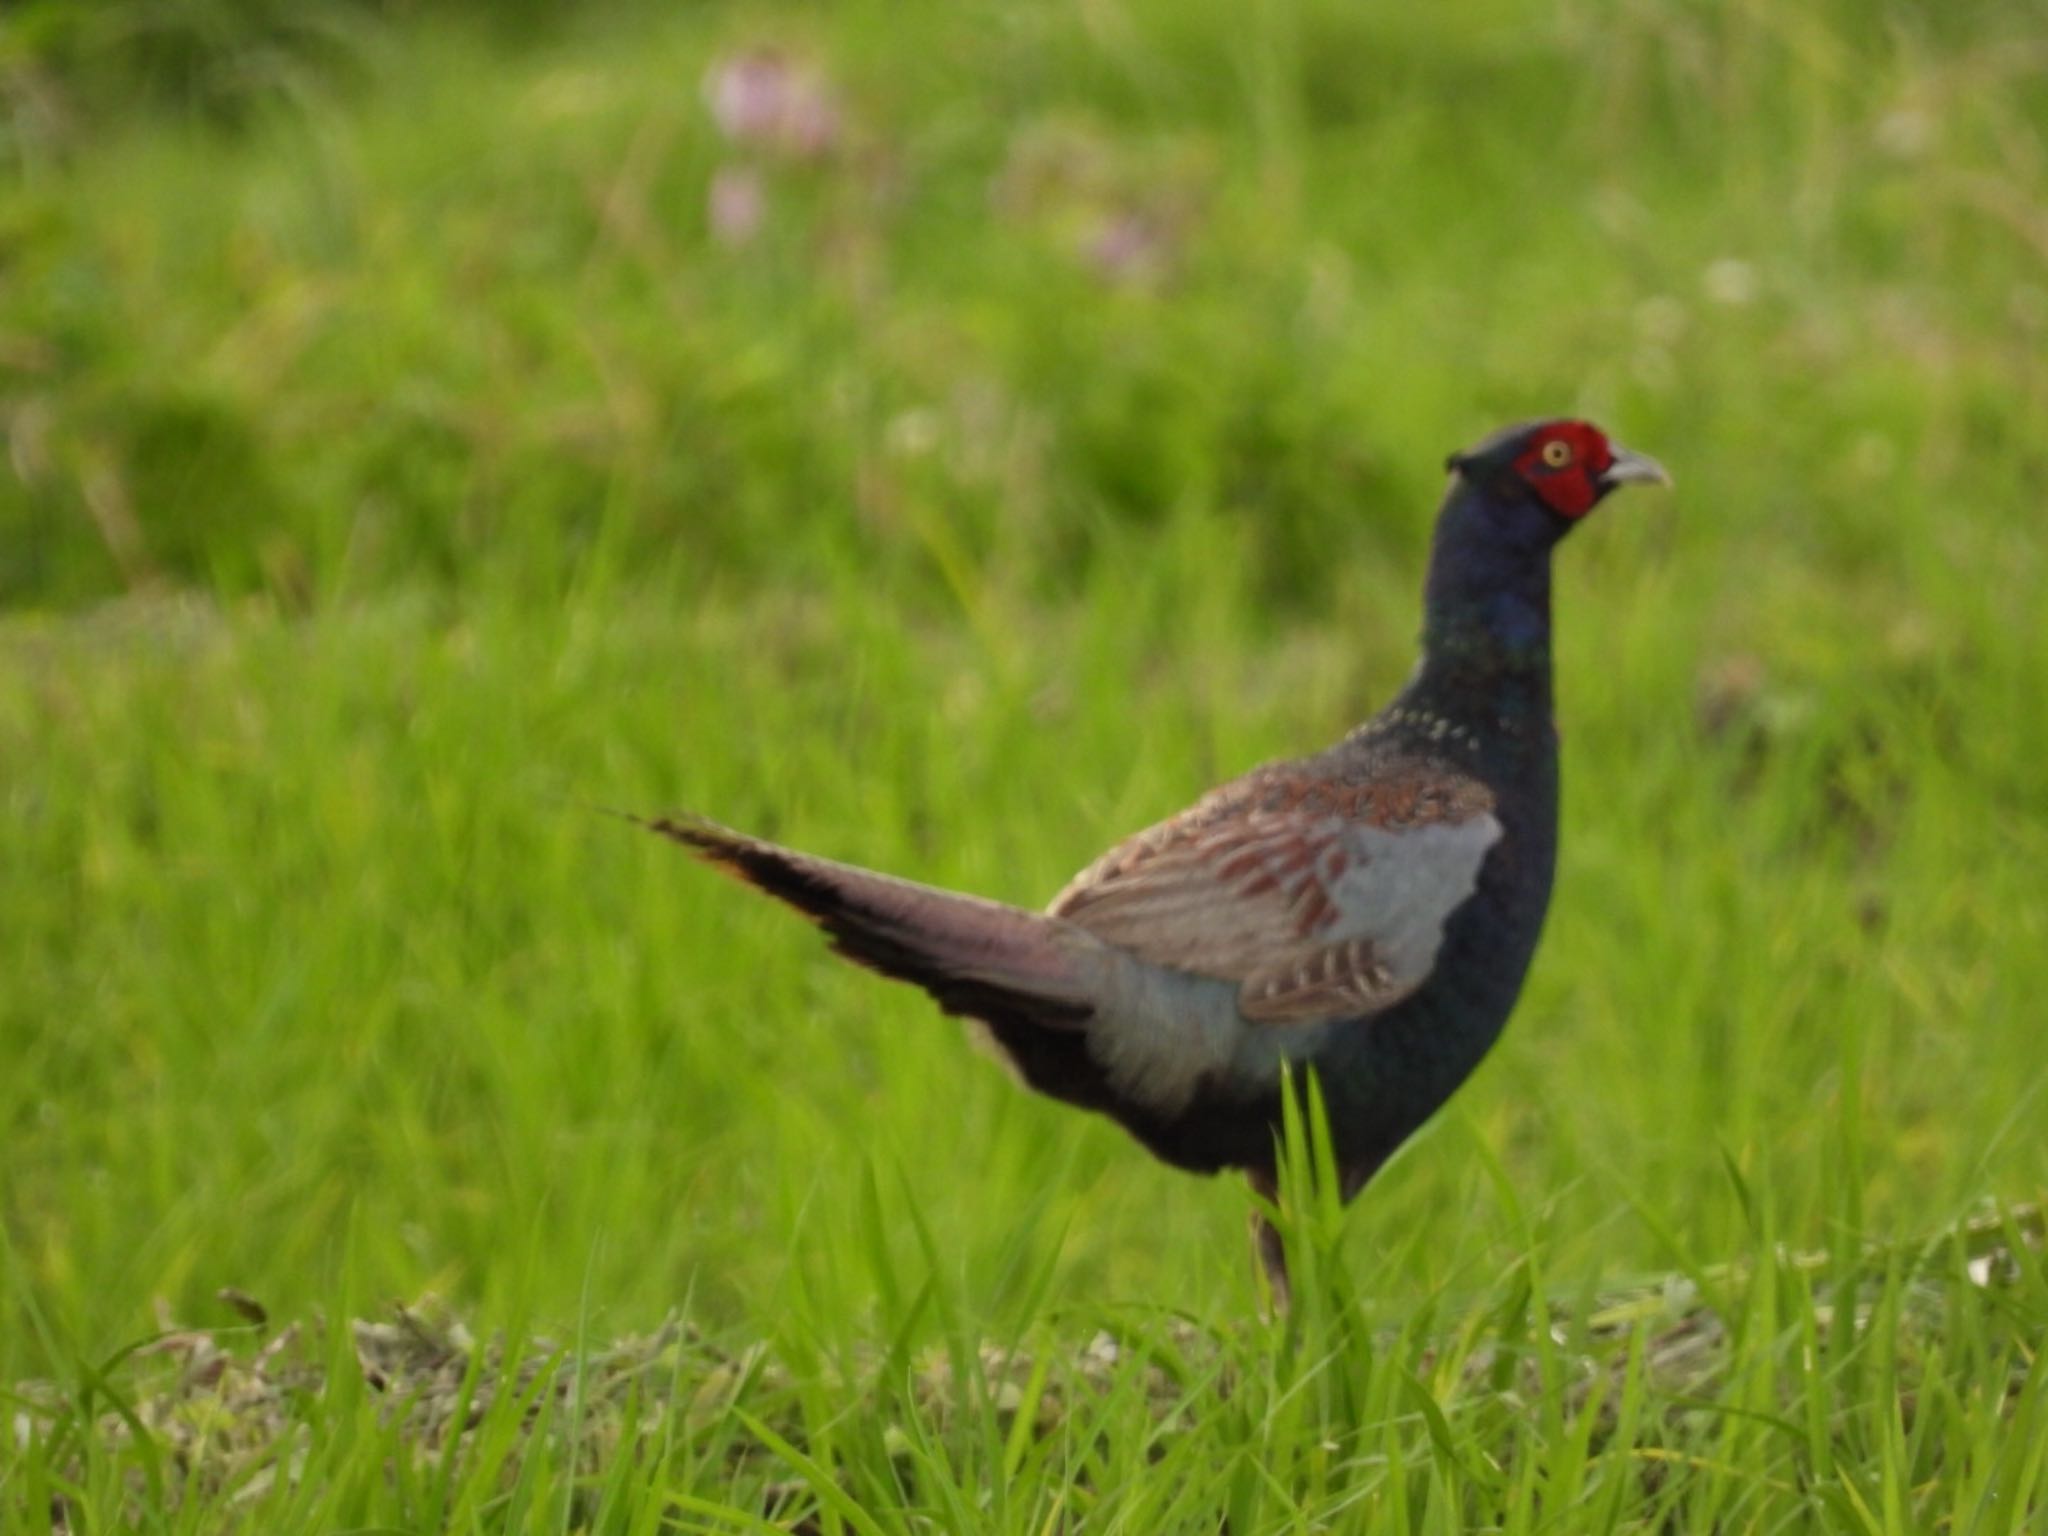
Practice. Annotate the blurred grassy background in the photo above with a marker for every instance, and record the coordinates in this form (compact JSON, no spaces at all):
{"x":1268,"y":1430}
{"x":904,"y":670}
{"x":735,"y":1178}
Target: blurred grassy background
{"x":950,"y":435}
{"x":443,"y":306}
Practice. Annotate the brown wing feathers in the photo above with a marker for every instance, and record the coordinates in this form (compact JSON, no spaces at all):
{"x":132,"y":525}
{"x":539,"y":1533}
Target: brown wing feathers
{"x":1326,"y":983}
{"x":1249,"y":884}
{"x":1258,"y":884}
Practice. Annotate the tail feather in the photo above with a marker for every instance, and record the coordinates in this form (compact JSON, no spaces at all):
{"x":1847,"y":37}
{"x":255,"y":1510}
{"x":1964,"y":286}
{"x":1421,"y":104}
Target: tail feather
{"x":978,"y":958}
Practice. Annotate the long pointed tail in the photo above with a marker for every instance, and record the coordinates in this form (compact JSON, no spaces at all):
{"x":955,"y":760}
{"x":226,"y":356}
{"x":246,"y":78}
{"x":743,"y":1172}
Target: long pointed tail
{"x":975,"y":957}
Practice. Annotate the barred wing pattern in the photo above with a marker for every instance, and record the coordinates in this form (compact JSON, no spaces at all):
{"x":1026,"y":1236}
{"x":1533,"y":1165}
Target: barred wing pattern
{"x":1321,"y":897}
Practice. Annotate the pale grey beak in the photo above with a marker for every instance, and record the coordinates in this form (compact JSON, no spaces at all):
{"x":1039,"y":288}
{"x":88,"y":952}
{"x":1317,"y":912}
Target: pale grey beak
{"x":1632,"y":468}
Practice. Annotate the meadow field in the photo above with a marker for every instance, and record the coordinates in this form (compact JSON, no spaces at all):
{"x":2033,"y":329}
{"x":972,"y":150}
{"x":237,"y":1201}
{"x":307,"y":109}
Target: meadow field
{"x":948,"y":435}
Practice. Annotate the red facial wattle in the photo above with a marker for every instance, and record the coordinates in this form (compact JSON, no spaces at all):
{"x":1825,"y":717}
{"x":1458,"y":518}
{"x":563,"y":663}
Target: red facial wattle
{"x":1563,"y":465}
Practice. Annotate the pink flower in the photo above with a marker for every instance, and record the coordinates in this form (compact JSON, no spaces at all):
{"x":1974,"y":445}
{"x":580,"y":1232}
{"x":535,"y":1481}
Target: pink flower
{"x":763,"y":99}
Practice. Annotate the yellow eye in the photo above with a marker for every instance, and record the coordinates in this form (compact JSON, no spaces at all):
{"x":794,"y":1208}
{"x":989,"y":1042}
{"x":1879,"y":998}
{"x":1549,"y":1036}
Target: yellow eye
{"x":1557,"y":453}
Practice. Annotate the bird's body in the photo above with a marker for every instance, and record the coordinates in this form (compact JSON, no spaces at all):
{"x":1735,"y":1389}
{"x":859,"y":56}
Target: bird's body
{"x":1428,"y":877}
{"x":1369,"y":911}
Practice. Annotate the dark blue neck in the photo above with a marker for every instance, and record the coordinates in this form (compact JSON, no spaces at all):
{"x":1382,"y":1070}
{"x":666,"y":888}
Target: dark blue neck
{"x":1486,"y":615}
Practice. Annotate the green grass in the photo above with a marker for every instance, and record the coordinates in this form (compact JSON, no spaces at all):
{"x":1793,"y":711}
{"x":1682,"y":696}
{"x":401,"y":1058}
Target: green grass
{"x":402,"y":472}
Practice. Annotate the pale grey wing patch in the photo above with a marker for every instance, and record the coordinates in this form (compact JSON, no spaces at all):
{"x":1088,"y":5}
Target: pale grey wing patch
{"x":1390,"y":907}
{"x":1253,"y":936}
{"x":1407,"y":884}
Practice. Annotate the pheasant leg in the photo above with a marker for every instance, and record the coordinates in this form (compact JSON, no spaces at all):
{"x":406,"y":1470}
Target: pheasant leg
{"x":1268,"y":1249}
